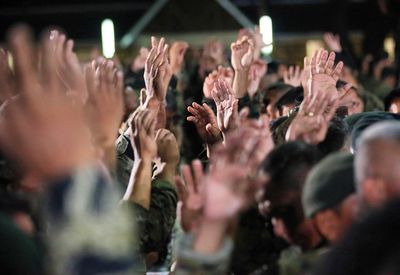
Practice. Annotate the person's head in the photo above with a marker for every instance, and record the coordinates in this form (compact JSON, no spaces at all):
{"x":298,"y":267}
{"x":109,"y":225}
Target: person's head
{"x":271,"y":97}
{"x":351,"y":100}
{"x":335,"y":138}
{"x":290,"y":100}
{"x":392,"y":102}
{"x":377,"y":164}
{"x":287,"y":167}
{"x":389,"y":77}
{"x":349,"y":72}
{"x":371,"y":246}
{"x":329,"y":195}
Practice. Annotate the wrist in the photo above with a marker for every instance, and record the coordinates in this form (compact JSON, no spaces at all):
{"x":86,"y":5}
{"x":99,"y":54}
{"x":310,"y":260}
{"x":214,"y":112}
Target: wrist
{"x":242,"y":70}
{"x":210,"y":236}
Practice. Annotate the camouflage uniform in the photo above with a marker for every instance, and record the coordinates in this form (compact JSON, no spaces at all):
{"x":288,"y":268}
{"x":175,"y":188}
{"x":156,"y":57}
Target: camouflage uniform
{"x":154,"y":224}
{"x":193,"y":263}
{"x":88,"y":230}
{"x":295,"y":262}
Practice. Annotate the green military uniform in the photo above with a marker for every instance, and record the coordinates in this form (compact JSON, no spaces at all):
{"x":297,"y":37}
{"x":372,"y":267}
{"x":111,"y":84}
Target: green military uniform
{"x":295,"y":262}
{"x":154,"y":224}
{"x":19,"y":255}
{"x":193,"y":263}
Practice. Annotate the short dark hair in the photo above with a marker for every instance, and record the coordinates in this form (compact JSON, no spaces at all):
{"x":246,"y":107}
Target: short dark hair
{"x":335,"y":137}
{"x":287,"y":166}
{"x":390,"y":98}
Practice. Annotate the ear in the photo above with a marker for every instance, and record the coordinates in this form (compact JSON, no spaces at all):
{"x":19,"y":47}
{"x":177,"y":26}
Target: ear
{"x":374,"y":191}
{"x":328,"y":224}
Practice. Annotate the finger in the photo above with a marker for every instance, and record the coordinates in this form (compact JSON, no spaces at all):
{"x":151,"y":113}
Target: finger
{"x":192,"y":119}
{"x":50,"y":80}
{"x":244,"y":113}
{"x":142,"y":98}
{"x":188,"y":178}
{"x":182,"y":192}
{"x":290,"y":71}
{"x":154,"y":42}
{"x":109,"y":77}
{"x":23,"y":55}
{"x":323,"y":61}
{"x":338,"y":70}
{"x":297,"y":72}
{"x":193,"y":111}
{"x":198,"y":173}
{"x":314,"y":63}
{"x":330,"y":63}
{"x":90,"y":78}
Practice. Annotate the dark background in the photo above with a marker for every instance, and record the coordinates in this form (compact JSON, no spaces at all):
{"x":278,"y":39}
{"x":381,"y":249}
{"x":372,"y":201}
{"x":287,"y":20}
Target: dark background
{"x":82,"y":19}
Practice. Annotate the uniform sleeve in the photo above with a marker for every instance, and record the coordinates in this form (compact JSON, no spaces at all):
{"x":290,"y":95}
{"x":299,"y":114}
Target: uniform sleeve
{"x":88,"y":229}
{"x":155,"y":224}
{"x":191,"y":262}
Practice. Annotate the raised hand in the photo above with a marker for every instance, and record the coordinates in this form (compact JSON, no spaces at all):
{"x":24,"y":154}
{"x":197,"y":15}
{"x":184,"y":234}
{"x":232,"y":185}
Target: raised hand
{"x":105,"y":107}
{"x":157,"y":71}
{"x":242,"y":54}
{"x":42,"y":114}
{"x":333,"y":42}
{"x":221,"y":72}
{"x":7,"y":81}
{"x":292,"y":76}
{"x":214,"y":50}
{"x":68,"y":66}
{"x":257,"y":70}
{"x":324,"y":74}
{"x":142,"y":125}
{"x":312,"y":121}
{"x":318,"y":107}
{"x":305,"y":76}
{"x":206,"y":123}
{"x":191,"y":193}
{"x":227,"y":106}
{"x":176,"y":56}
{"x":143,"y":134}
{"x":256,"y":36}
{"x":241,"y":58}
{"x":168,"y":152}
{"x":249,"y":143}
{"x":140,"y":60}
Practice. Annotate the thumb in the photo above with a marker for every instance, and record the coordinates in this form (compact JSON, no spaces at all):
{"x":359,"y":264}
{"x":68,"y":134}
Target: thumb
{"x":244,"y":113}
{"x":142,"y":96}
{"x":212,"y":130}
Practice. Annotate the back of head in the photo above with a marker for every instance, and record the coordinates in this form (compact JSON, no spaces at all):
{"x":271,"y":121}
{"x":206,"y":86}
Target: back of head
{"x":329,"y":183}
{"x":369,"y":247}
{"x":377,"y":165}
{"x":287,"y":166}
{"x":378,"y":151}
{"x":335,"y":138}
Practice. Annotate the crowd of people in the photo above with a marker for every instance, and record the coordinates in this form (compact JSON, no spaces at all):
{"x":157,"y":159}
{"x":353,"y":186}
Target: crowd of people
{"x":197,"y":161}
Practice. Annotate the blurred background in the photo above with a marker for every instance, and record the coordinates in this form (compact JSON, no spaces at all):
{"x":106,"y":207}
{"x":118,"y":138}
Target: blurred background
{"x":297,"y":25}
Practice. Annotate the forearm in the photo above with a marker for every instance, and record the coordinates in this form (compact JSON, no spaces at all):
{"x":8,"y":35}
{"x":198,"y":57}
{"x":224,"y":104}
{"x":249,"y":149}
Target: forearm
{"x":168,"y":173}
{"x":110,"y":158}
{"x":240,"y":83}
{"x":157,"y":107}
{"x":139,"y":187}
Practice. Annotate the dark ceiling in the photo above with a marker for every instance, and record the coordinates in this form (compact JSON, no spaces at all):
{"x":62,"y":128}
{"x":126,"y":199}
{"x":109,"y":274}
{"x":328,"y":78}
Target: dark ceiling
{"x":81,"y":19}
